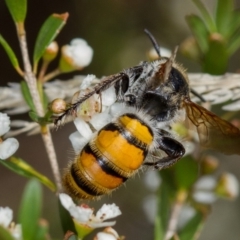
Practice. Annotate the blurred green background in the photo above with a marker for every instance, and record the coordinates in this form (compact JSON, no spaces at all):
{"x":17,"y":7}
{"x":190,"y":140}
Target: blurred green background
{"x":114,"y":29}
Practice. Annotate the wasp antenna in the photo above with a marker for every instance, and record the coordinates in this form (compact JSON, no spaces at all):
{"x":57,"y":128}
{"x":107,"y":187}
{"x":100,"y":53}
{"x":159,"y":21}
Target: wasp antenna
{"x":154,"y":42}
{"x":169,"y":64}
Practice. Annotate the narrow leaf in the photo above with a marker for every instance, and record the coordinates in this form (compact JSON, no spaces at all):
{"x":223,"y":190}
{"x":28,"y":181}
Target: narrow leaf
{"x":22,"y":168}
{"x":223,"y":15}
{"x":27,"y":95}
{"x":192,"y":228}
{"x":43,"y":95}
{"x":49,"y":30}
{"x":30,"y":209}
{"x":158,"y":231}
{"x":165,"y":197}
{"x":186,"y":172}
{"x":18,"y":9}
{"x":206,"y":16}
{"x":9,"y":52}
{"x":234,"y":43}
{"x":5,"y":234}
{"x":216,"y":59}
{"x":199,"y":30}
{"x":234,"y":24}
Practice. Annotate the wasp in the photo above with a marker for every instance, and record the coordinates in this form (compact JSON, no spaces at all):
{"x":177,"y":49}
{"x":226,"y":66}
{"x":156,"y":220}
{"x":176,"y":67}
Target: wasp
{"x":154,"y":95}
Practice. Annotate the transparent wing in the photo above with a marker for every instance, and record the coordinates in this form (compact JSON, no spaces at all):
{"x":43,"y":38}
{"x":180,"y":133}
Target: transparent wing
{"x":213,"y":132}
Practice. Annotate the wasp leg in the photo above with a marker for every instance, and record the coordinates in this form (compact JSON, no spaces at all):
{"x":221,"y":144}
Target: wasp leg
{"x":172,"y":148}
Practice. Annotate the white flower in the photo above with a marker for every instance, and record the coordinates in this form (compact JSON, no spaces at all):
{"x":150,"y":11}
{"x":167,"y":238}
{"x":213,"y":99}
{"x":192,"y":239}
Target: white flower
{"x":150,"y":207}
{"x":78,"y":52}
{"x":95,"y":104}
{"x":227,"y":186}
{"x":187,"y":212}
{"x":16,"y":231}
{"x":84,"y":215}
{"x":10,"y":145}
{"x":11,"y":99}
{"x":6,"y":216}
{"x":4,"y":123}
{"x":107,"y":234}
{"x":88,"y":81}
{"x":163,"y":51}
{"x":152,"y":180}
{"x":204,"y":190}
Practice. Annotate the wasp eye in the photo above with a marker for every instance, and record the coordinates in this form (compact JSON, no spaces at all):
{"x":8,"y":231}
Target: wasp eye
{"x":130,"y":99}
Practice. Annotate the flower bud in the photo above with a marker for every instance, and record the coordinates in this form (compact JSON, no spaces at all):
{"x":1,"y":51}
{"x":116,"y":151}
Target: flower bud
{"x":227,"y":186}
{"x":152,"y":54}
{"x":75,"y":56}
{"x":189,"y":48}
{"x":58,"y":106}
{"x":209,"y":164}
{"x":51,"y":52}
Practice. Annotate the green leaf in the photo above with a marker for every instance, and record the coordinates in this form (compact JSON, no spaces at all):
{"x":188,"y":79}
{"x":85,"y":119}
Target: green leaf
{"x":192,"y":228}
{"x":43,"y":95}
{"x":199,"y":30}
{"x":30,"y":209}
{"x":49,"y":30}
{"x":224,"y":15}
{"x":186,"y":172}
{"x":27,"y":95}
{"x":216,"y":58}
{"x":33,"y":115}
{"x":206,"y":16}
{"x":158,"y":231}
{"x":9,"y":52}
{"x":18,"y":9}
{"x":234,"y":43}
{"x":66,"y":219}
{"x":165,"y":198}
{"x":5,"y":234}
{"x":234,"y":24}
{"x":22,"y":168}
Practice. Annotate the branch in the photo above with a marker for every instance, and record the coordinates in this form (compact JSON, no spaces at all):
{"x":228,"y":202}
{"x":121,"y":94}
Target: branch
{"x":32,"y":84}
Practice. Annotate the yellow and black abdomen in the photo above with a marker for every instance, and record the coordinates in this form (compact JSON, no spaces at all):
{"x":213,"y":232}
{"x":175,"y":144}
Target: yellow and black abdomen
{"x":110,"y":158}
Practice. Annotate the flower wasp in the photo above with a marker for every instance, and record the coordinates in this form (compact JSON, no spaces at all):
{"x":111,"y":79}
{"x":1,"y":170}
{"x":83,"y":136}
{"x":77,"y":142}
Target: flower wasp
{"x":153,"y":96}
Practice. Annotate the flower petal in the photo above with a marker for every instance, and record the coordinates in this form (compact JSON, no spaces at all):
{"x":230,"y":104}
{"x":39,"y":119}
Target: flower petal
{"x":4,"y":123}
{"x":83,"y":128}
{"x":108,"y":211}
{"x":8,"y":148}
{"x":104,"y":236}
{"x":77,"y":141}
{"x":109,"y":96}
{"x":66,"y":201}
{"x":6,"y":216}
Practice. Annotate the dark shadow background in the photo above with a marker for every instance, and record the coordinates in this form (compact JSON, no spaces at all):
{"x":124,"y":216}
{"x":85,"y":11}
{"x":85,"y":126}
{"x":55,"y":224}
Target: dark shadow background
{"x":114,"y":28}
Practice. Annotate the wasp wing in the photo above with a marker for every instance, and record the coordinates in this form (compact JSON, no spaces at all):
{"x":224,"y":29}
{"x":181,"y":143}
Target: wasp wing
{"x":213,"y":132}
{"x":105,"y":83}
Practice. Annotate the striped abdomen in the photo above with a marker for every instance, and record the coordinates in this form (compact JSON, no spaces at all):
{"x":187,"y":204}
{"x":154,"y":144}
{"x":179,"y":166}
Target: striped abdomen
{"x":110,"y":158}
